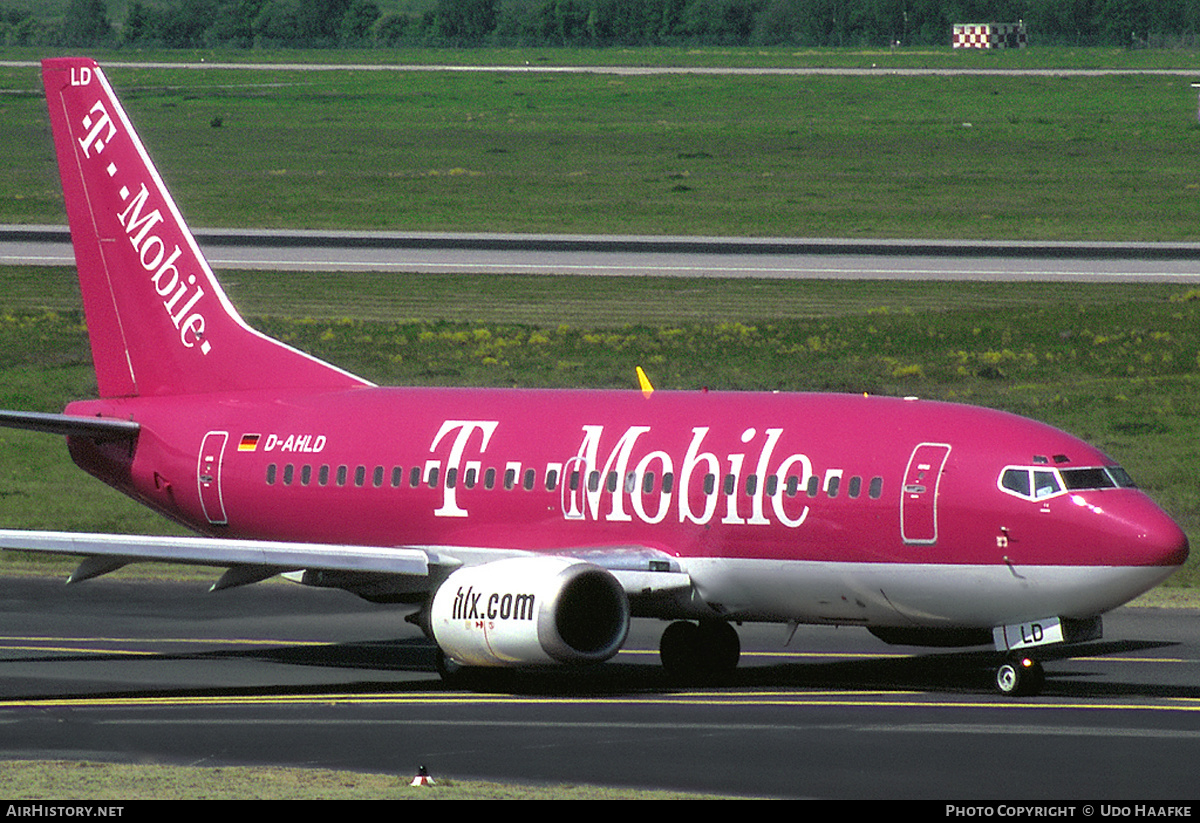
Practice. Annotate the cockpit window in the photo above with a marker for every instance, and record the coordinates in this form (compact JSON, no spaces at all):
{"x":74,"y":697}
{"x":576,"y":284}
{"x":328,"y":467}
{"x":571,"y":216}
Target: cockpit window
{"x":1087,"y":479}
{"x":1041,"y":482}
{"x":1016,"y":481}
{"x":1045,"y":484}
{"x":1120,"y":477}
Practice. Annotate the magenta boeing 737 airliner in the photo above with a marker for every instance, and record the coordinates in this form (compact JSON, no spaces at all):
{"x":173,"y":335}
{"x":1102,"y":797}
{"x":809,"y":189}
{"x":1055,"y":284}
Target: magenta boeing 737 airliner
{"x":527,"y":527}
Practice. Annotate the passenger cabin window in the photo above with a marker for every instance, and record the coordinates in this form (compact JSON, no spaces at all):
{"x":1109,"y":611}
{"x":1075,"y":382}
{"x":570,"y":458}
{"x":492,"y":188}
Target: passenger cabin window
{"x":1034,"y":482}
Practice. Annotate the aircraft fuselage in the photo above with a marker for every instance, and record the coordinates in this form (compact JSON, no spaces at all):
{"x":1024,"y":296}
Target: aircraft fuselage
{"x":804,"y":507}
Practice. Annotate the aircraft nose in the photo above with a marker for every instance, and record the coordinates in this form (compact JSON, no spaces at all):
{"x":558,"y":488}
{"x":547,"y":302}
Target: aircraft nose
{"x":1157,"y":539}
{"x":1134,"y":531}
{"x":1167,"y":542}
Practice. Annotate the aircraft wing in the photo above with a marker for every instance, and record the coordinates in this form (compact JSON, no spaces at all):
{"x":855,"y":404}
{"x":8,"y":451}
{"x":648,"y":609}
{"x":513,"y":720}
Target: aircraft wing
{"x":248,"y":561}
{"x":645,"y":574}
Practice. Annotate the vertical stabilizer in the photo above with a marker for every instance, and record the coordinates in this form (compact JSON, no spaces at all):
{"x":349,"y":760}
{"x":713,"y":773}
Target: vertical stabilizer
{"x":158,"y":320}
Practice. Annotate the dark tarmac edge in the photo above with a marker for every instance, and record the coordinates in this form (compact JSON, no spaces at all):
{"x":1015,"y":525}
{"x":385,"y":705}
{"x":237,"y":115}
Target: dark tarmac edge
{"x":1065,"y":250}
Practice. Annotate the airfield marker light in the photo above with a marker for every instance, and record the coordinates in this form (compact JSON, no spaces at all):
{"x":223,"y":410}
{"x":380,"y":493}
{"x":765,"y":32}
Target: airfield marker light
{"x":422,"y":778}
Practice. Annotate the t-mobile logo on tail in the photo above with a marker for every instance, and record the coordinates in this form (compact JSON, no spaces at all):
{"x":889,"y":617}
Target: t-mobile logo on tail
{"x":100,"y":130}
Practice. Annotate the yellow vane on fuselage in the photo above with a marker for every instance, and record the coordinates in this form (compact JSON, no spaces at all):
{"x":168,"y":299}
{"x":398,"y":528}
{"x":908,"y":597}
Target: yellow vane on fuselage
{"x":644,"y":382}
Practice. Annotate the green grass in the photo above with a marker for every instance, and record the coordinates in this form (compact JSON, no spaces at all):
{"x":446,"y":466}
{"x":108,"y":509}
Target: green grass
{"x":1109,"y":158}
{"x":1116,"y":364}
{"x":1044,"y":158}
{"x":98,"y":782}
{"x":1037,"y":57}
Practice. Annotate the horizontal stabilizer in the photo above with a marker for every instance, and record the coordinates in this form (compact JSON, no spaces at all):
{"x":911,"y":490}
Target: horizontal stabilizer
{"x":96,"y":428}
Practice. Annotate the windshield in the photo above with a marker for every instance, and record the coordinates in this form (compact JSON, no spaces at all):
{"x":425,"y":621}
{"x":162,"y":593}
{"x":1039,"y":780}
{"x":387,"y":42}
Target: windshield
{"x":1041,"y":482}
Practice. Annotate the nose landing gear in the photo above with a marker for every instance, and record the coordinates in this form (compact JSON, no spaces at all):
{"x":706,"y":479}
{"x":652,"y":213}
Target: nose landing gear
{"x":1020,"y":676}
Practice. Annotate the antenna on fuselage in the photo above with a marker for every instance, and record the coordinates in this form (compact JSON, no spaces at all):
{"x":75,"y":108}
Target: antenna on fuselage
{"x":644,"y":383}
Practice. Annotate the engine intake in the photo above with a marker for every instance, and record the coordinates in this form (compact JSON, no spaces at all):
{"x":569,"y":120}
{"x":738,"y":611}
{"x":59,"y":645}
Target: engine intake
{"x":526,"y":611}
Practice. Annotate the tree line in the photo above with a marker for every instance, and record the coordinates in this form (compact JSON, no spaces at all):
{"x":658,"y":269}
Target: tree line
{"x":601,"y":23}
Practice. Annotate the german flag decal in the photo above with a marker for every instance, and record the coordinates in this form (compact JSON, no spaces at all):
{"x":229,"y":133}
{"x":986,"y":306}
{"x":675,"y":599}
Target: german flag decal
{"x":249,"y":442}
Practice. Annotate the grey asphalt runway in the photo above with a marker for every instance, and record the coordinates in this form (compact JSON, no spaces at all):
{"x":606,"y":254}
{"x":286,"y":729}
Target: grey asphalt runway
{"x":656,"y":257}
{"x":274,"y":674}
{"x":278,"y":674}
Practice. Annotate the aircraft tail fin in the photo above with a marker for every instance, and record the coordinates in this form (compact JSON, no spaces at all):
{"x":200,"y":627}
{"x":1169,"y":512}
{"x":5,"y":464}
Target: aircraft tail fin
{"x":158,"y":320}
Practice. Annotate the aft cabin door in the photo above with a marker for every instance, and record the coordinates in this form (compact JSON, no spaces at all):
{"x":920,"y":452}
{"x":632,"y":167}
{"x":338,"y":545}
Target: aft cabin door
{"x":918,"y":496}
{"x":208,"y":476}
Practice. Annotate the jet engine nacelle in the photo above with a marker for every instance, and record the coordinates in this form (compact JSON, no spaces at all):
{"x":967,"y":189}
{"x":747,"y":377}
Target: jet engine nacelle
{"x":529,"y":611}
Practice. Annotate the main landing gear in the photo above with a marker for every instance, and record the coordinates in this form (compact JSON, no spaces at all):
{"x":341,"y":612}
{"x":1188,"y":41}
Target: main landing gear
{"x":1020,"y":676}
{"x":688,"y":650}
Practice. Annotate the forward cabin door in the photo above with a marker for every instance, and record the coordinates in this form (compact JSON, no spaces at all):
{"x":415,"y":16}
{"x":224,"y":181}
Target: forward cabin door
{"x":918,"y":496}
{"x":208,"y":476}
{"x":574,"y":478}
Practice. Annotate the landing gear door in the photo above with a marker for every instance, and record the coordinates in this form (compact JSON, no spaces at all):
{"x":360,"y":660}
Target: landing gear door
{"x":208,"y":476}
{"x":919,"y":494}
